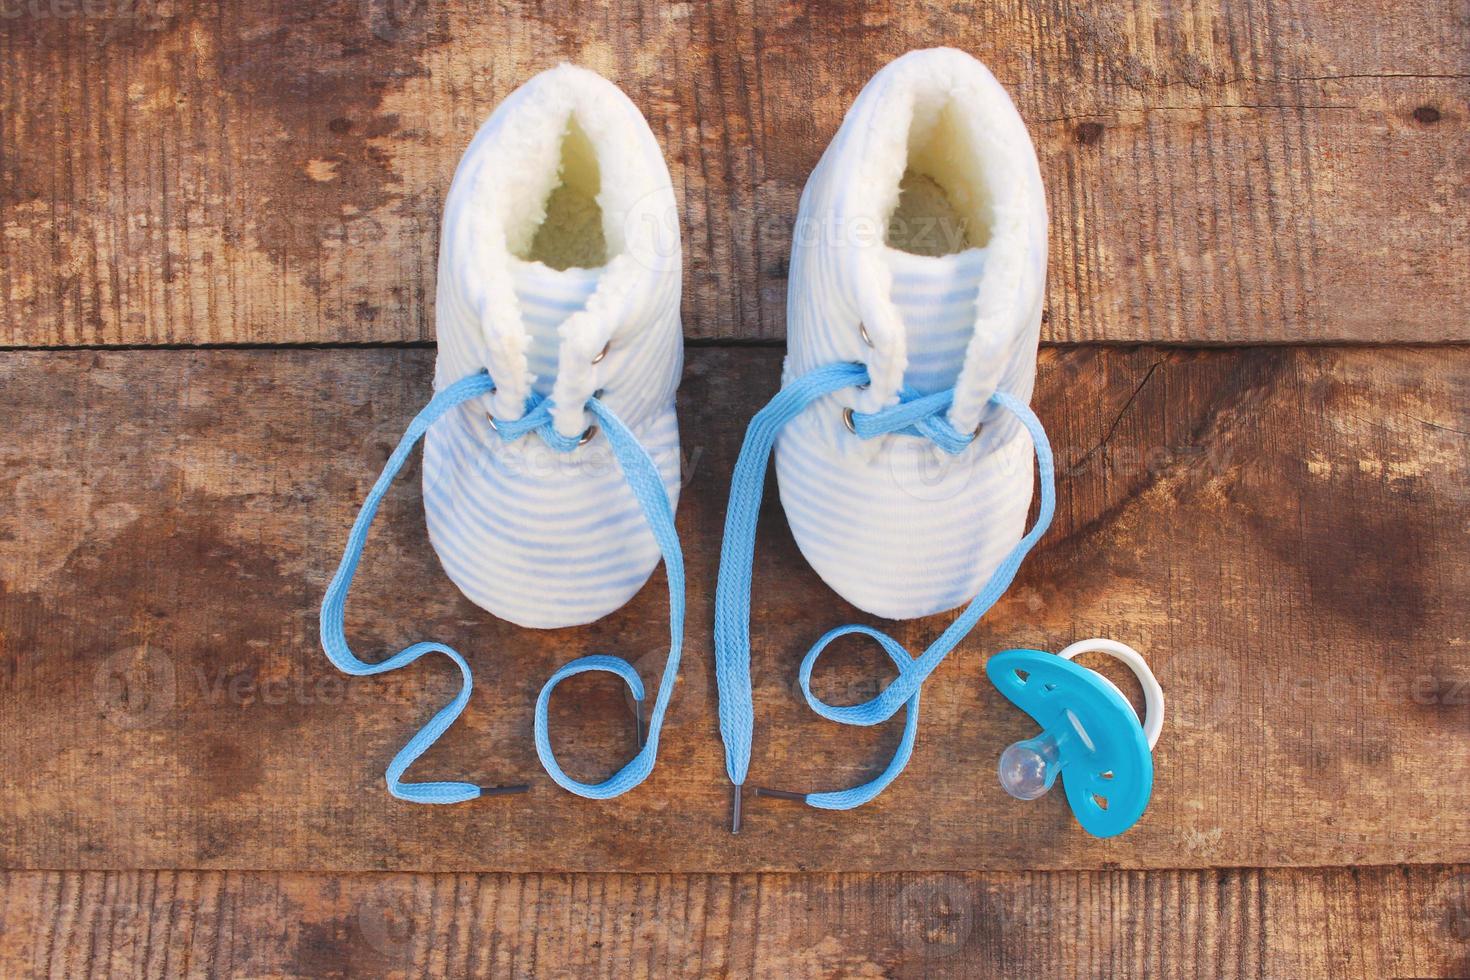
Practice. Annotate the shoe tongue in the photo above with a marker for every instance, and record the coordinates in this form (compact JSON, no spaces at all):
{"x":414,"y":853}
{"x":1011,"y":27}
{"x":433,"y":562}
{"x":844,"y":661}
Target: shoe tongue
{"x":935,"y":295}
{"x":547,"y":297}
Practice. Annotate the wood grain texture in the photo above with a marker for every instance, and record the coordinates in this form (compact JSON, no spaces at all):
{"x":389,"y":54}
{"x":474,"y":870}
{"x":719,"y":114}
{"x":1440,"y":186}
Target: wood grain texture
{"x":1283,"y":923}
{"x":271,"y":172}
{"x":1281,"y":530}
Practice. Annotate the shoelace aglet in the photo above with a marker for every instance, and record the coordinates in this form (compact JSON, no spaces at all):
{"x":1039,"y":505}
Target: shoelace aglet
{"x":735,"y":808}
{"x":780,"y":794}
{"x":638,"y":723}
{"x":505,"y":790}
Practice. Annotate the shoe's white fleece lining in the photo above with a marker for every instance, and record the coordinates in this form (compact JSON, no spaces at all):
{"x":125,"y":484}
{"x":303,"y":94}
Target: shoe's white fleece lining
{"x":499,"y":203}
{"x":941,"y":114}
{"x":941,"y":216}
{"x":571,"y":233}
{"x":558,"y":271}
{"x":942,"y":207}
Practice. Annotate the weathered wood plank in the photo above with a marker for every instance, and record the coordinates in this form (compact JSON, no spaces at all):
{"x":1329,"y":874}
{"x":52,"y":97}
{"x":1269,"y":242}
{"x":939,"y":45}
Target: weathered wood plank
{"x":1281,"y":530}
{"x":1370,"y":923}
{"x":270,"y":172}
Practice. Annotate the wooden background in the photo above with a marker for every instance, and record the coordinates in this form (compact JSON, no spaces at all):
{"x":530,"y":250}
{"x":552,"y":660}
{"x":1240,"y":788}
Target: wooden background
{"x":216,"y":276}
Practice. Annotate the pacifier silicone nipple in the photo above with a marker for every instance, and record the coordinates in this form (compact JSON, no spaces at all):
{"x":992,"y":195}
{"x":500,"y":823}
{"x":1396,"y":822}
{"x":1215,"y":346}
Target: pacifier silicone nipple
{"x":1091,"y":736}
{"x":1029,"y":767}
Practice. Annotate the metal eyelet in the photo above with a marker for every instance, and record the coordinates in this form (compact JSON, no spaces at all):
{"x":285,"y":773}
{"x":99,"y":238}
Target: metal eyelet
{"x":599,"y":393}
{"x":588,"y":435}
{"x":863,"y":329}
{"x":847,"y":421}
{"x":602,"y":353}
{"x":488,"y":417}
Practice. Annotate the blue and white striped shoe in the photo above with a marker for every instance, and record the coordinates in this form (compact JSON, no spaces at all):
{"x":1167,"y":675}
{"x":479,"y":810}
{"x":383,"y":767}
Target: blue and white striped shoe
{"x":551,"y":457}
{"x":913,"y":314}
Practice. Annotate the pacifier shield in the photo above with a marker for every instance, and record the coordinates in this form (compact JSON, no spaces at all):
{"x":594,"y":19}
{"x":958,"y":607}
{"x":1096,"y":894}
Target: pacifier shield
{"x":1104,"y":758}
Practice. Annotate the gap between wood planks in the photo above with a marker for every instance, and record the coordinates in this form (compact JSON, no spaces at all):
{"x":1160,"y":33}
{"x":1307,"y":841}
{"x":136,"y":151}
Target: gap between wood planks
{"x":730,"y":343}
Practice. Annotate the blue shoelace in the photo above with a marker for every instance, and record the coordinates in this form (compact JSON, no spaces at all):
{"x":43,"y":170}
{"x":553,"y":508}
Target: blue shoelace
{"x":915,"y":415}
{"x":643,"y":477}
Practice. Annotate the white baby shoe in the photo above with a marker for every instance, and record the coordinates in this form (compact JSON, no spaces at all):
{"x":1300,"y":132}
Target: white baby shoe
{"x":920,"y":251}
{"x":905,"y":442}
{"x":551,"y":460}
{"x":559,"y":272}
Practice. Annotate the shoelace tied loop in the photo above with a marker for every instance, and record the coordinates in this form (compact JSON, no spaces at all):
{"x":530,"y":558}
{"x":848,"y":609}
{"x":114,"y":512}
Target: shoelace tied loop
{"x":643,"y":478}
{"x":537,"y":418}
{"x":914,"y":415}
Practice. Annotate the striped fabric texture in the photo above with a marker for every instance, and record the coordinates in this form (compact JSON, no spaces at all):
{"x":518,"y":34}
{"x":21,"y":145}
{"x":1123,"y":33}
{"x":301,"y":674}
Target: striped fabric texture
{"x":538,"y":537}
{"x":894,"y":525}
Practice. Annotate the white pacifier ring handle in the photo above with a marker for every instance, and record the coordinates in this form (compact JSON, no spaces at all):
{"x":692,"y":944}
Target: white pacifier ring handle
{"x":1153,"y":694}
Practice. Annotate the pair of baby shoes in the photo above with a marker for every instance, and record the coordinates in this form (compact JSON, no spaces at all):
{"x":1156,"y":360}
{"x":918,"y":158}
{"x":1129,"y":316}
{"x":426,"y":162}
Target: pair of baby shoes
{"x":902,"y":436}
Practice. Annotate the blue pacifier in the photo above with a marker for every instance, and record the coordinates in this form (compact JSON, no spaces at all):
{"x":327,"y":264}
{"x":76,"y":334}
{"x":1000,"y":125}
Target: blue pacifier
{"x":1090,"y":734}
